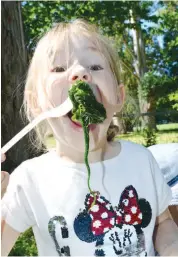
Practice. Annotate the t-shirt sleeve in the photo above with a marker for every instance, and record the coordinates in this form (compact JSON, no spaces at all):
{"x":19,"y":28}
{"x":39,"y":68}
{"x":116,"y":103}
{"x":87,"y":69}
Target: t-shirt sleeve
{"x":163,"y":191}
{"x":15,"y":208}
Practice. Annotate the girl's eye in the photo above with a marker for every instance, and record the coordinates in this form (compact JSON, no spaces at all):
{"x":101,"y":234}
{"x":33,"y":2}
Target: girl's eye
{"x":59,"y":69}
{"x":96,"y":67}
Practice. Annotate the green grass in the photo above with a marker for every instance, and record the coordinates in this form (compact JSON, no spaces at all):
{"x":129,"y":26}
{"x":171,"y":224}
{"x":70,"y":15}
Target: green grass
{"x":170,"y":127}
{"x":170,"y":137}
{"x":167,"y":133}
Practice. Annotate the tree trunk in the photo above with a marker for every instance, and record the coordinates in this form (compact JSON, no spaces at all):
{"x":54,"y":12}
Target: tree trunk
{"x":140,"y":67}
{"x":13,"y":67}
{"x":148,"y":114}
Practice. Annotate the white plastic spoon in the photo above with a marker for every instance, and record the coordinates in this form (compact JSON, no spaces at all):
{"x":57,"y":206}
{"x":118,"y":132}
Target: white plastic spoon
{"x":59,"y":111}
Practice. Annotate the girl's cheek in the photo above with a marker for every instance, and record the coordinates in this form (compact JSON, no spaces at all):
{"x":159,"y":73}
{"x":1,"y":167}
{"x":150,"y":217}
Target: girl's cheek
{"x":56,"y":89}
{"x":55,"y":80}
{"x":107,"y":86}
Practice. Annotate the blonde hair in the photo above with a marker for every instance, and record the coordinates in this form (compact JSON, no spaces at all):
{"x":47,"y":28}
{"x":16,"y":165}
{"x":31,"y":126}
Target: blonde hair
{"x":44,"y":56}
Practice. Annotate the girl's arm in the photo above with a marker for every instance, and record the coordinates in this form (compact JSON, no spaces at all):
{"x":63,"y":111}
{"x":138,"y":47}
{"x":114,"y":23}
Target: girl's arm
{"x":8,"y":238}
{"x":8,"y":234}
{"x":166,"y":235}
{"x":174,"y":213}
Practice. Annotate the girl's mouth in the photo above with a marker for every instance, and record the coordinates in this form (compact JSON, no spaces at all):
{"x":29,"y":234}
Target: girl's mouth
{"x":77,"y":124}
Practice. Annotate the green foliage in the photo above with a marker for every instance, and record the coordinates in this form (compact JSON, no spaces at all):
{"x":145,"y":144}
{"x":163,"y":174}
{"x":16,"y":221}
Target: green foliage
{"x":87,"y":111}
{"x":130,"y":113}
{"x":85,"y":107}
{"x":39,"y":16}
{"x":155,"y":85}
{"x":149,"y":136}
{"x":167,"y":133}
{"x":25,"y":245}
{"x":113,"y":18}
{"x":168,"y":26}
{"x":166,"y":106}
{"x":173,"y":97}
{"x":165,"y":57}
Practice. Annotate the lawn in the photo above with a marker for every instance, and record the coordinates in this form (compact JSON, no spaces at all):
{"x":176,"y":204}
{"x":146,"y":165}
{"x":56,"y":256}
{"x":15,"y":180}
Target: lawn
{"x":167,"y":133}
{"x":170,"y":127}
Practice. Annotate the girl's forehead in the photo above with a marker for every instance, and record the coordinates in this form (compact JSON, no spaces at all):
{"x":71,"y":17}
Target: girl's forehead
{"x":74,"y":45}
{"x":82,"y":41}
{"x":65,"y":47}
{"x":78,"y":42}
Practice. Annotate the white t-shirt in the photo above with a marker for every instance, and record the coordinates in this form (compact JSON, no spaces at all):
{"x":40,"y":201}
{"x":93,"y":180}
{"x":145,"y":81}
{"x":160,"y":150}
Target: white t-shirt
{"x":52,"y":197}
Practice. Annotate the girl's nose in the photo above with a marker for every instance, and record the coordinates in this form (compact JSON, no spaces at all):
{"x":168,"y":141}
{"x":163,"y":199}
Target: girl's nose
{"x":80,"y":74}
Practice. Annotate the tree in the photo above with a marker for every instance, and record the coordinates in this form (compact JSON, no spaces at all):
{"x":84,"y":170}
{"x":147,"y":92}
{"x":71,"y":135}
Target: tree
{"x":13,"y":72}
{"x":162,"y":52}
{"x":167,"y":30}
{"x":138,"y":52}
{"x":173,"y":97}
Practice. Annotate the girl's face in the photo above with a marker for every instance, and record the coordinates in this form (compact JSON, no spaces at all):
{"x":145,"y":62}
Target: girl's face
{"x":80,"y":60}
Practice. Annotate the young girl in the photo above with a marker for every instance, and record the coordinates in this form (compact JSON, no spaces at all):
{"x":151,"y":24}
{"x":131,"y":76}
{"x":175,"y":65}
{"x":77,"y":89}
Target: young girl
{"x":50,"y":193}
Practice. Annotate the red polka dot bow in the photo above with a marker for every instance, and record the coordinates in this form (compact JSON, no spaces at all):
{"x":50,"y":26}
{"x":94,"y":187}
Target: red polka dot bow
{"x":104,"y":216}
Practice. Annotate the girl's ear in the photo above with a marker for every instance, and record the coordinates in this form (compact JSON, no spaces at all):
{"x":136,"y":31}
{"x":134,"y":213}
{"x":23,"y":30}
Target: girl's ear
{"x":121,"y":97}
{"x":31,"y":99}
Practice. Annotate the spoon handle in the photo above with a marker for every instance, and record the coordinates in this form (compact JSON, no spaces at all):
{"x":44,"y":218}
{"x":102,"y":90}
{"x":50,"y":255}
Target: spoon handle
{"x":22,"y":133}
{"x":56,"y":112}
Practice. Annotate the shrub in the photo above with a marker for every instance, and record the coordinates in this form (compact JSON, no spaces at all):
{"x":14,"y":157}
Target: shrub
{"x":149,"y":136}
{"x":25,"y":245}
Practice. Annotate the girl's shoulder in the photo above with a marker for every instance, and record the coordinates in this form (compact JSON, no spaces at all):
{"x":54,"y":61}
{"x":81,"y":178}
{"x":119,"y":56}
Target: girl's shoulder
{"x":36,"y":165}
{"x":135,"y":149}
{"x":42,"y":159}
{"x":133,"y":154}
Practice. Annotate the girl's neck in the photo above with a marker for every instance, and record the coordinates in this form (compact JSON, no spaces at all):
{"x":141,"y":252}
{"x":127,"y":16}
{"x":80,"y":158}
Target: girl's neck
{"x":106,"y":151}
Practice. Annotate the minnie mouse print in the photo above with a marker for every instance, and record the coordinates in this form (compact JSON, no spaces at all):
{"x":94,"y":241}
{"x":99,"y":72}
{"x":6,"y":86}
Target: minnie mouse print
{"x":116,"y":230}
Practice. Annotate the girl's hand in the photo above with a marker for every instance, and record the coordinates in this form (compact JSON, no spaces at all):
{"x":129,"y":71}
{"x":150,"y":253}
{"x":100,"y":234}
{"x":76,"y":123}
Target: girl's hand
{"x":4,"y":178}
{"x":8,"y":234}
